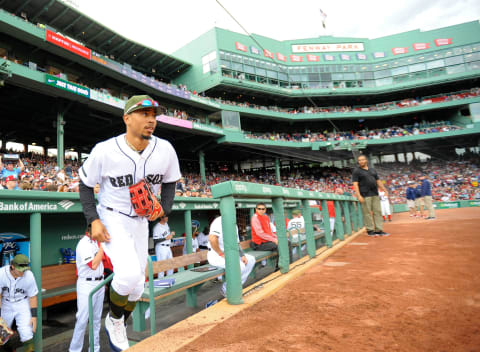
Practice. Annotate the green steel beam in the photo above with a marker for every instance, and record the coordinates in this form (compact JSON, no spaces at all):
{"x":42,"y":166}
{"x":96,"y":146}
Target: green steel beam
{"x":232,"y":256}
{"x":187,"y":216}
{"x":45,"y":8}
{"x":307,"y":216}
{"x":326,"y":224}
{"x":277,"y":171}
{"x":60,"y":137}
{"x":348,"y":219}
{"x":57,"y":17}
{"x":283,"y":252}
{"x":203,"y":177}
{"x":64,"y":29}
{"x":36,"y":265}
{"x":339,"y":230}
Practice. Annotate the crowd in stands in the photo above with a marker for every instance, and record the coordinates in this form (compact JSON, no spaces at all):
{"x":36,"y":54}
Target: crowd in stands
{"x":363,"y":134}
{"x":451,"y":180}
{"x":391,"y":105}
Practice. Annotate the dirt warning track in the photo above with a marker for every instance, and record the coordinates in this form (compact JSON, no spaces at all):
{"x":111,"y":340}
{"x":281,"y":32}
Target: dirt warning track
{"x":416,"y":290}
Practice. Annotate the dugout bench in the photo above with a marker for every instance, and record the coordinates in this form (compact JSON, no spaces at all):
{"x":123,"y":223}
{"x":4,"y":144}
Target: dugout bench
{"x":59,"y":283}
{"x":191,"y":281}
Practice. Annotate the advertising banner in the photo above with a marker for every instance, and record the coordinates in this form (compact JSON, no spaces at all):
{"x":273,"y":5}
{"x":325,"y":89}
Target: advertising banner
{"x":42,"y":206}
{"x":443,"y":41}
{"x":267,"y":53}
{"x":379,"y":54}
{"x":240,"y":46}
{"x":313,"y":58}
{"x":296,"y":58}
{"x":66,"y":85}
{"x":67,"y":44}
{"x":397,"y":51}
{"x":174,"y":121}
{"x":446,"y":205}
{"x":421,"y":46}
{"x":326,"y":47}
{"x":281,"y":57}
{"x":344,"y":57}
{"x":254,"y":50}
{"x":361,"y":56}
{"x":329,"y":57}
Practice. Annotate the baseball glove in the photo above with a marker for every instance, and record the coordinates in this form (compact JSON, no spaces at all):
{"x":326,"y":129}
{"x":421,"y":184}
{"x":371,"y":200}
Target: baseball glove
{"x":5,"y":332}
{"x":144,"y":201}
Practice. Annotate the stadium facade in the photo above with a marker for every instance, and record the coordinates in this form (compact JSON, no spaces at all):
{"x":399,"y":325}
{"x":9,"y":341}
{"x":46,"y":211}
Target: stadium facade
{"x":240,"y":94}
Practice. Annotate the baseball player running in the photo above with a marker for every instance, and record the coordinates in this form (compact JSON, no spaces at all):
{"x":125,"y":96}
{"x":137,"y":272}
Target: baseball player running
{"x":216,"y":255}
{"x":385,"y":205}
{"x":90,"y":272}
{"x":130,"y":169}
{"x":162,"y":237}
{"x":19,"y":298}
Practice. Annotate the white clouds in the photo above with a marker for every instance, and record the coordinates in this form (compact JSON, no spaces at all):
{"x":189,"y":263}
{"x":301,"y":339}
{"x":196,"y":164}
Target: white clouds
{"x":168,"y":25}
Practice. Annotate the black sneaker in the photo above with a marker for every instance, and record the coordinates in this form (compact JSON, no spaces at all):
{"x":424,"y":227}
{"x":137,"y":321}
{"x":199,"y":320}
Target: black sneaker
{"x":431,"y":218}
{"x":381,"y":233}
{"x":371,"y":234}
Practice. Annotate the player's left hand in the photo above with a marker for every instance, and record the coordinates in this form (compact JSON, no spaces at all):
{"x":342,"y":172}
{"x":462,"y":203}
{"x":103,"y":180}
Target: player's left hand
{"x":33,"y":322}
{"x":244,"y":260}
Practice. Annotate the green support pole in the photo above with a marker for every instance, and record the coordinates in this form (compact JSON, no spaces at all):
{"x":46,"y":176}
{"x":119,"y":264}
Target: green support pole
{"x":277,"y":171}
{"x":188,"y":232}
{"x":201,"y":155}
{"x":353,"y":215}
{"x":348,"y":222}
{"x":359,"y":215}
{"x":283,"y":253}
{"x":232,"y":257}
{"x":307,"y":215}
{"x":36,"y":265}
{"x":326,"y":223}
{"x":339,"y":230}
{"x":60,"y":144}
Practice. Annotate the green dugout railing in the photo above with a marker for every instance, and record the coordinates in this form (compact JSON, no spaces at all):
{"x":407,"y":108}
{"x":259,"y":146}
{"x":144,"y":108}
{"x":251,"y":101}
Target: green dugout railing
{"x":34,"y":204}
{"x":227,"y":192}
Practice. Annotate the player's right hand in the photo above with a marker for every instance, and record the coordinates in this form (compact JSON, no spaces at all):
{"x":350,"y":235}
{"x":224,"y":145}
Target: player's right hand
{"x":99,"y":231}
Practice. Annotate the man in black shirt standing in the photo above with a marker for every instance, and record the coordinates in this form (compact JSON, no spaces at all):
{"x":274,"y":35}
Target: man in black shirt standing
{"x":366,"y":184}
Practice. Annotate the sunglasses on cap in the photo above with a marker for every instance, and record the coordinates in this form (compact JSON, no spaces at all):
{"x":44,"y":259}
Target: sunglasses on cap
{"x":22,"y":265}
{"x":147,"y":103}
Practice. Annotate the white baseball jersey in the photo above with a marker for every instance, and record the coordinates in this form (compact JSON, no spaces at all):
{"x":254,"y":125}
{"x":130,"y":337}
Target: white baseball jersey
{"x":161,"y":231}
{"x":296,"y":223}
{"x":194,"y":246}
{"x":216,"y":229}
{"x":15,"y":290}
{"x":16,"y":295}
{"x":115,"y":166}
{"x":382,"y":196}
{"x":202,"y":239}
{"x":86,"y":251}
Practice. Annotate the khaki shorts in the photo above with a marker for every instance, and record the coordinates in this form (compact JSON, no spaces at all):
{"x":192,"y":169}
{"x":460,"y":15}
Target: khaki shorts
{"x":410,"y":203}
{"x":419,"y":202}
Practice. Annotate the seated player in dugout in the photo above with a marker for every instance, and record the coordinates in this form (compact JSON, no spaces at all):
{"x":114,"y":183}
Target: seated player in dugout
{"x":130,"y":169}
{"x":18,"y":304}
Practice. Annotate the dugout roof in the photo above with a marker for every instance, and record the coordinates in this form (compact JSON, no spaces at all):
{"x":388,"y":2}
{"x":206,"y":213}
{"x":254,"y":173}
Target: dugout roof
{"x":96,"y":36}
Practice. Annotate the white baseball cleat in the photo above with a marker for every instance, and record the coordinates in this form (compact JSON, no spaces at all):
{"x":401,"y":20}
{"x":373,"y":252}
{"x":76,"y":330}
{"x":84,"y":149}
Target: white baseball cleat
{"x":117,"y":333}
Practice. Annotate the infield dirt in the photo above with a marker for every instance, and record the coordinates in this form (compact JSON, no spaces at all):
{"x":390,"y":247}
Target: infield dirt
{"x":416,"y":290}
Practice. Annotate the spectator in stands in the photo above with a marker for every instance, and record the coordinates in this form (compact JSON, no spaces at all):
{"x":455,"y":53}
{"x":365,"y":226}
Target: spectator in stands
{"x":11,"y":183}
{"x":410,"y":194}
{"x":366,"y":184}
{"x":263,"y":238}
{"x":427,"y":197}
{"x":8,"y":168}
{"x":216,"y":252}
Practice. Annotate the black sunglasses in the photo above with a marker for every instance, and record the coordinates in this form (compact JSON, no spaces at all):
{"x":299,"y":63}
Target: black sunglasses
{"x":261,"y":208}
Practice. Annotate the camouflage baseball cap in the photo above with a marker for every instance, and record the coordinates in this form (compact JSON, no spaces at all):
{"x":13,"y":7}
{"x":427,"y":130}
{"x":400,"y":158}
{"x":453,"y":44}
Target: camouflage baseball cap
{"x":296,"y":212}
{"x":21,"y":262}
{"x":138,"y":102}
